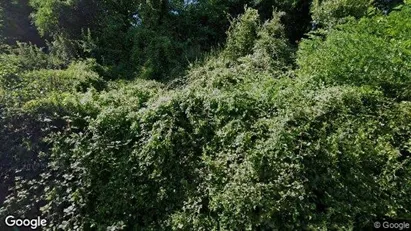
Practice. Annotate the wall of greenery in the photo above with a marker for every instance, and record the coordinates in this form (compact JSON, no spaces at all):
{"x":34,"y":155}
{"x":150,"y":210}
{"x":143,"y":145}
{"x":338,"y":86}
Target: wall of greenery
{"x":208,"y":115}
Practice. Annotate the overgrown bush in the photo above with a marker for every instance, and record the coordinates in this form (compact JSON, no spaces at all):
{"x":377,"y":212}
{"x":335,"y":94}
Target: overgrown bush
{"x":373,"y":52}
{"x":30,"y":110}
{"x":331,"y":12}
{"x":248,"y":141}
{"x":244,"y":145}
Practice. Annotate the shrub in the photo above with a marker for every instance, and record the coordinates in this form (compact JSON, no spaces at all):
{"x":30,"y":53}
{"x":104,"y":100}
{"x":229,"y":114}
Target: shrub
{"x":30,"y":110}
{"x":331,"y":12}
{"x":372,"y":52}
{"x":242,"y":146}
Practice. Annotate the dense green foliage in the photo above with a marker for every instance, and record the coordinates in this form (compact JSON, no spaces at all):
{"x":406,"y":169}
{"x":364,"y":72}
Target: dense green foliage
{"x":152,"y":39}
{"x":328,"y":13}
{"x":164,"y":115}
{"x":360,"y":56}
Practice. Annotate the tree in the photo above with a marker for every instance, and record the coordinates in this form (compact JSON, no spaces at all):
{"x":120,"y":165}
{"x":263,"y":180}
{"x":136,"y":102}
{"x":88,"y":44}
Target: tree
{"x":15,"y":23}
